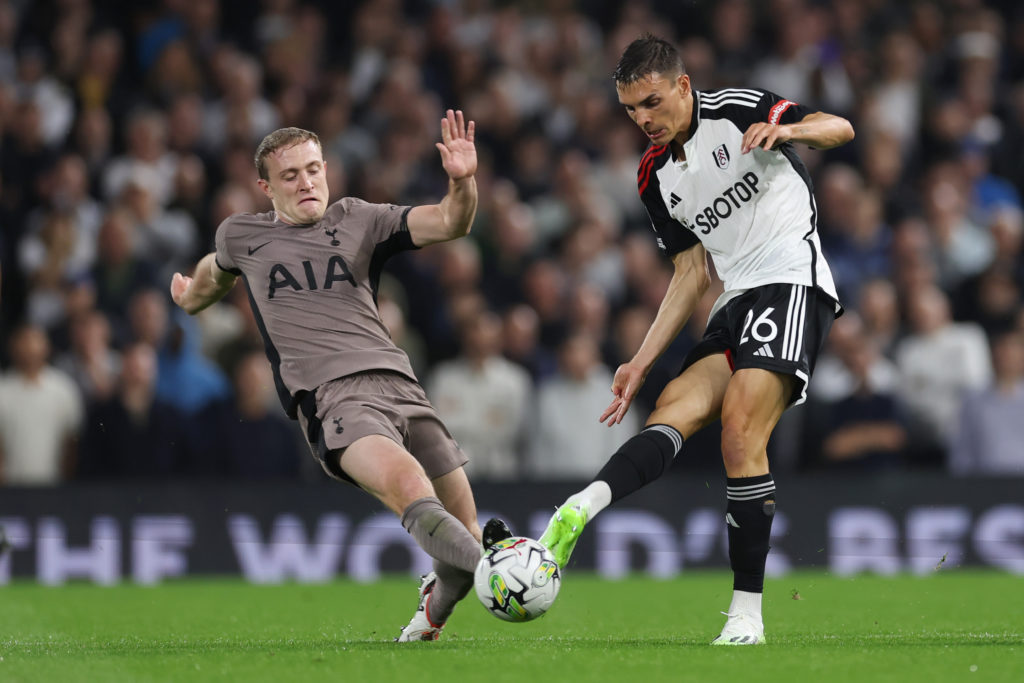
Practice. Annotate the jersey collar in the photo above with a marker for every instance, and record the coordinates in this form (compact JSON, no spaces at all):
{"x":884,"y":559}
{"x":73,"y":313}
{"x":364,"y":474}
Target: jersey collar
{"x":695,"y":105}
{"x":694,"y":119}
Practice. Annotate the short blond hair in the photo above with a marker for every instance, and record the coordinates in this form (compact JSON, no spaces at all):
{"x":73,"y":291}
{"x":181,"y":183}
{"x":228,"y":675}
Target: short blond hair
{"x":280,"y":138}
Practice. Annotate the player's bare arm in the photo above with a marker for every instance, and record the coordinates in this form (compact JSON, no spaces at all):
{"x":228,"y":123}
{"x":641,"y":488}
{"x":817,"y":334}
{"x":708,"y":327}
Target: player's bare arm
{"x":209,"y":285}
{"x":818,"y":130}
{"x":690,"y":280}
{"x":453,"y":217}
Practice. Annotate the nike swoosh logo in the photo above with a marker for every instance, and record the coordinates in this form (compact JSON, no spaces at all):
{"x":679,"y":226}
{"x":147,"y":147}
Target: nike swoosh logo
{"x":253,"y":250}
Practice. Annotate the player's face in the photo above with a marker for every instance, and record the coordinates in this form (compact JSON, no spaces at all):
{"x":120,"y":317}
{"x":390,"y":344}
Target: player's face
{"x":297,"y":183}
{"x":660,"y":105}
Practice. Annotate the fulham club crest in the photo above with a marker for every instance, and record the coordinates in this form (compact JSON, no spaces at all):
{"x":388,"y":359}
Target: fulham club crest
{"x":721,"y":155}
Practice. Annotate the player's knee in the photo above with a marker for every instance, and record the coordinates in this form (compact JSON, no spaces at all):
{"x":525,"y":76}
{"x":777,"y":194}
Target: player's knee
{"x":406,"y":486}
{"x":742,"y":444}
{"x":733,"y":458}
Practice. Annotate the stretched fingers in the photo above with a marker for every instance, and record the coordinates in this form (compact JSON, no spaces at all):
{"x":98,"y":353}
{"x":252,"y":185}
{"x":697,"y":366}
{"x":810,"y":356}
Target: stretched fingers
{"x":616,"y":410}
{"x":612,"y":408}
{"x":460,"y":124}
{"x":623,"y":408}
{"x":454,"y":127}
{"x":614,"y":413}
{"x":447,"y":128}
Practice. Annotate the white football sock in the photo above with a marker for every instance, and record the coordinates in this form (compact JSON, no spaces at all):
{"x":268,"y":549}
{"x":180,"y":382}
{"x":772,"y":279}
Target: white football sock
{"x":595,"y":497}
{"x":747,"y":603}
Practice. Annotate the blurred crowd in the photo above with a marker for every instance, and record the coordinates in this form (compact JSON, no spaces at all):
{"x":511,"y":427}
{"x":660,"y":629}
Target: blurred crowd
{"x":127,"y":133}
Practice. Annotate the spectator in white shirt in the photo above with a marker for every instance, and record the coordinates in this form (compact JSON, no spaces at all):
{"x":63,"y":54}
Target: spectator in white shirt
{"x":40,"y":413}
{"x":482,"y":398}
{"x":568,"y":443}
{"x":938,"y":362}
{"x":147,"y":161}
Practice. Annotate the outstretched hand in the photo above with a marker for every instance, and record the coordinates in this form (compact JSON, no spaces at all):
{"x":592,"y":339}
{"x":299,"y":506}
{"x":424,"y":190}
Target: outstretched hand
{"x":627,"y":381}
{"x":458,"y":153}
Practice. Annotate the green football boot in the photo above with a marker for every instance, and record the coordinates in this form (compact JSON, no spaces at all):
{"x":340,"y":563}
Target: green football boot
{"x":563,"y":530}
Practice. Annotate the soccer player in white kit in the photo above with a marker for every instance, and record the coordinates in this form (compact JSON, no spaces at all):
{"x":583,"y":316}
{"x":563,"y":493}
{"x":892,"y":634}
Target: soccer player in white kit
{"x":720,"y":177}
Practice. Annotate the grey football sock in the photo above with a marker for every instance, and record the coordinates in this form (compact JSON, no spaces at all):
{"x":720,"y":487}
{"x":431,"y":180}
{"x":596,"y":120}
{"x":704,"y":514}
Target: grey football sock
{"x":440,"y":534}
{"x":452,"y":585}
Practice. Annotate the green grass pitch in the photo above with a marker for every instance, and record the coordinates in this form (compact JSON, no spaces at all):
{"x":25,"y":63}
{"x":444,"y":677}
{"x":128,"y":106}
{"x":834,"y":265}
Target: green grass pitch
{"x":954,"y":625}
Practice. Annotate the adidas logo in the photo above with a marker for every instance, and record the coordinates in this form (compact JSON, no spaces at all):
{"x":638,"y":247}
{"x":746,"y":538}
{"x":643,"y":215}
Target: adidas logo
{"x":765,"y":351}
{"x":674,"y":199}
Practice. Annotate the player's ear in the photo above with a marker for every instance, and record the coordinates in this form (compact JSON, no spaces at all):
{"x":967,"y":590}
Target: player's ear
{"x":683,"y":83}
{"x":265,"y":186}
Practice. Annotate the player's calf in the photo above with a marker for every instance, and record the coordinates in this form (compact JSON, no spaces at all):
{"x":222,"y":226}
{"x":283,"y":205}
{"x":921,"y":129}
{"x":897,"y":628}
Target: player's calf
{"x":641,"y":460}
{"x":440,"y":534}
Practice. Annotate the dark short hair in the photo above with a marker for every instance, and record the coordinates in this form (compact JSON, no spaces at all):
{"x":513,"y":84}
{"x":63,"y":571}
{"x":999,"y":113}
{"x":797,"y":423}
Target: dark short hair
{"x":646,"y":55}
{"x":282,"y":137}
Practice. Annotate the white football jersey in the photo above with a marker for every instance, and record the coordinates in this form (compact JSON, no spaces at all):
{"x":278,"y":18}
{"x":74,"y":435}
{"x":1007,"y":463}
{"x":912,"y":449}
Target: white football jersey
{"x":754,"y":213}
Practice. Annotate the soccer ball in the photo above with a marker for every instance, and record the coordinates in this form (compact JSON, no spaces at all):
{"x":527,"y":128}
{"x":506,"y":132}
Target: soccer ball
{"x":517,"y":579}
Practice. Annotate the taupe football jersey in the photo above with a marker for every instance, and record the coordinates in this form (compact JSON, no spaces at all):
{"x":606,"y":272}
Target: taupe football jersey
{"x":313,"y":290}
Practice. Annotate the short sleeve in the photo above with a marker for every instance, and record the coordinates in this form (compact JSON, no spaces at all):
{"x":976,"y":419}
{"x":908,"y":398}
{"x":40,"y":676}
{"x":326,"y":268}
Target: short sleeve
{"x":778,"y":110}
{"x":223,"y":255}
{"x":391,"y":220}
{"x":673,"y":237}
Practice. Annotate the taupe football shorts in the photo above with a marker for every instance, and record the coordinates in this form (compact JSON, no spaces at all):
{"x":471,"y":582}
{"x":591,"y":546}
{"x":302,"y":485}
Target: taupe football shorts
{"x":389,"y":404}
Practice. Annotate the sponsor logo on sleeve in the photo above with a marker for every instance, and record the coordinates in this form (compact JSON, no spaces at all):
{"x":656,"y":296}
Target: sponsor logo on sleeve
{"x":776,"y":112}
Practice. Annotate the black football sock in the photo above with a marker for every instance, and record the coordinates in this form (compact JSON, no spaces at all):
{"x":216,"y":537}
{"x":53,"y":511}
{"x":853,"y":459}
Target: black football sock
{"x":749,"y":513}
{"x":641,"y":460}
{"x":452,"y":585}
{"x":440,"y":534}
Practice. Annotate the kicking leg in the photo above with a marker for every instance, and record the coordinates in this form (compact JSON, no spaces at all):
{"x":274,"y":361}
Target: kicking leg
{"x":453,"y":583}
{"x":442,"y":589}
{"x":687,"y":404}
{"x":395,"y":477}
{"x":754,"y":402}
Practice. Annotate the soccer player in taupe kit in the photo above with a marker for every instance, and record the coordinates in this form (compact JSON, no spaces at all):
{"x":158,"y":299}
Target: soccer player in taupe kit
{"x":311,"y":271}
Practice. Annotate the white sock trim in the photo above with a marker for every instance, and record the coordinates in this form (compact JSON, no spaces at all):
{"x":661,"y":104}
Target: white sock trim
{"x":673,"y":435}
